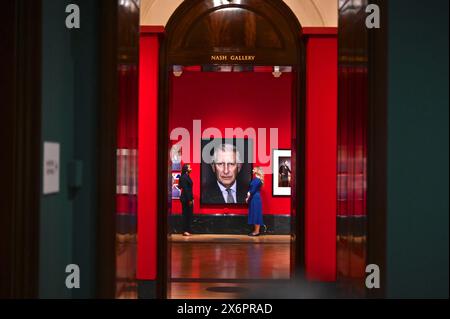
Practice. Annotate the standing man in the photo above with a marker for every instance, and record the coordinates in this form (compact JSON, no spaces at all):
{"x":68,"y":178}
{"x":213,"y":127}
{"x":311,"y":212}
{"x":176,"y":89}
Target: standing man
{"x":187,"y":198}
{"x":285,"y":173}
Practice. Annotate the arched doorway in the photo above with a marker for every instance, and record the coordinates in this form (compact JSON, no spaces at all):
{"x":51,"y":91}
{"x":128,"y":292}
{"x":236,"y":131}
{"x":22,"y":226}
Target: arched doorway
{"x":244,"y":34}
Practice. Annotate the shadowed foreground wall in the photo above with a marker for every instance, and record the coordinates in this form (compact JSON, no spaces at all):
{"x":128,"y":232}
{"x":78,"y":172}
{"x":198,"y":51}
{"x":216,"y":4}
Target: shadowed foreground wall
{"x":69,"y":116}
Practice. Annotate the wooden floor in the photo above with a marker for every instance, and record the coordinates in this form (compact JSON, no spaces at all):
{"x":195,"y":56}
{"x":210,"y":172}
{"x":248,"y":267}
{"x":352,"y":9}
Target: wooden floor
{"x":226,"y":266}
{"x":234,"y":266}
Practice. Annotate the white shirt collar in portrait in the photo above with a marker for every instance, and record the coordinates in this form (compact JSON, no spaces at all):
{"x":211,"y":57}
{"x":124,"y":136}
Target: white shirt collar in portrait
{"x":223,"y":189}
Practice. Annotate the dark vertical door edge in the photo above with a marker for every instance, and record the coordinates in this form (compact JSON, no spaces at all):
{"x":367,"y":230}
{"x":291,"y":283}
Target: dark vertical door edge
{"x":20,"y":120}
{"x":377,"y":150}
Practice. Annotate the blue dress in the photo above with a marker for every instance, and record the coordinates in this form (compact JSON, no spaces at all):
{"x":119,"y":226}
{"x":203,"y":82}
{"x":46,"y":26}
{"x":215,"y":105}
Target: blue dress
{"x":255,"y":216}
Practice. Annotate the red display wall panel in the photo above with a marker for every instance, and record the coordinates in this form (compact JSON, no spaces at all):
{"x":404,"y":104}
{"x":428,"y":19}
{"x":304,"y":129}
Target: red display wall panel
{"x":147,"y":157}
{"x":321,"y":156}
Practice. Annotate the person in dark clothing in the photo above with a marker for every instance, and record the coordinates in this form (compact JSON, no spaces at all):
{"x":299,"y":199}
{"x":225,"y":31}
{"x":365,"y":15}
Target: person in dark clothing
{"x":187,"y":198}
{"x":285,"y":174}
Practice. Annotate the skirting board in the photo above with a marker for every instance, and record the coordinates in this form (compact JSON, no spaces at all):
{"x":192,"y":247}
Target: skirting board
{"x":231,"y":224}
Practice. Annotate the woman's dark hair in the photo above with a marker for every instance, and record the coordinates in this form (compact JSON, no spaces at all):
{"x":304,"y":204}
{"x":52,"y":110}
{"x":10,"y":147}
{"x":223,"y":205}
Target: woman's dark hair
{"x":185,"y":168}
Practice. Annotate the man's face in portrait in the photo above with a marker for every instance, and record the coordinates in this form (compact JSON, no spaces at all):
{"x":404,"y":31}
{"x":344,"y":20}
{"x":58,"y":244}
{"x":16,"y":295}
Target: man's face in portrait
{"x":226,"y":166}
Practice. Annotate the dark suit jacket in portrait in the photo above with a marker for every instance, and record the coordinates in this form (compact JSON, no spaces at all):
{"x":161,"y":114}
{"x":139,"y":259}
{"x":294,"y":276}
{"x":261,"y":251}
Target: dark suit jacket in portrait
{"x":185,"y":184}
{"x":211,"y":194}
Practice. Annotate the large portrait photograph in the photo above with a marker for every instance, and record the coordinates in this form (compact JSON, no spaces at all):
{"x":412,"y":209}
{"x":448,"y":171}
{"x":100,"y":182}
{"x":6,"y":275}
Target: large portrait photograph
{"x":226,"y":170}
{"x":282,"y":173}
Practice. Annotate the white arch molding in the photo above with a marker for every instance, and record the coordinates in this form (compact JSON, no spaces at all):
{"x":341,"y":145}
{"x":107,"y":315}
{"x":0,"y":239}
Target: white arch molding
{"x":310,"y":13}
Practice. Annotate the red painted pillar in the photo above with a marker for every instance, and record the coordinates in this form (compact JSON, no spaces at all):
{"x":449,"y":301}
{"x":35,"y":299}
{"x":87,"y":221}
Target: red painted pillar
{"x":321,"y":156}
{"x":147,"y":156}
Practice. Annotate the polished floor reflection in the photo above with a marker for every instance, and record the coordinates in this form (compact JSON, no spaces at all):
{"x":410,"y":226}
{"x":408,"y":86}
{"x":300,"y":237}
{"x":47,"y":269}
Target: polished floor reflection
{"x":126,"y":285}
{"x":226,"y":266}
{"x":351,"y":264}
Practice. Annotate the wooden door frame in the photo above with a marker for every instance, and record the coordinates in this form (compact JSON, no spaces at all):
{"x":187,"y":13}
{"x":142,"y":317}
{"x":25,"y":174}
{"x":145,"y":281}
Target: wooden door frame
{"x":118,"y":47}
{"x":107,"y":145}
{"x":377,"y":139}
{"x":377,"y":160}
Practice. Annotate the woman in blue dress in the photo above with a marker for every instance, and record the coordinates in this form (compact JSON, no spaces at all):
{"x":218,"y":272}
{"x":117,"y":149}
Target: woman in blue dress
{"x":255,"y":216}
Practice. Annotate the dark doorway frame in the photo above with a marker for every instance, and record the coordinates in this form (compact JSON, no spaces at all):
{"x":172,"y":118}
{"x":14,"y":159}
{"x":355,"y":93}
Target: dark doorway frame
{"x":377,"y":143}
{"x":174,"y":52}
{"x":120,"y":46}
{"x":360,"y":47}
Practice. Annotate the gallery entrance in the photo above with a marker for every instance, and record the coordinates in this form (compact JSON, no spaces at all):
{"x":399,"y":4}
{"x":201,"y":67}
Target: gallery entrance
{"x":249,"y":109}
{"x":229,"y":73}
{"x":217,"y":65}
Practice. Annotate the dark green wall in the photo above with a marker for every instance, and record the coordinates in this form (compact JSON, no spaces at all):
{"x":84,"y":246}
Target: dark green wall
{"x":69,"y":116}
{"x":418,"y":114}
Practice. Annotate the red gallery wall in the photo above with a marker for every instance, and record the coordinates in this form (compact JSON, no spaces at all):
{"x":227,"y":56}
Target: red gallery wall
{"x":233,"y":100}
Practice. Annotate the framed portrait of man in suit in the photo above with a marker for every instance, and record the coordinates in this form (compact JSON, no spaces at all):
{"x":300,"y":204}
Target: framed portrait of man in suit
{"x":226,"y":170}
{"x":282,"y":173}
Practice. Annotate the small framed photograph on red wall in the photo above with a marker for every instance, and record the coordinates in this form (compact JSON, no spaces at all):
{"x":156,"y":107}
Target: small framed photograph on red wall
{"x":281,"y":173}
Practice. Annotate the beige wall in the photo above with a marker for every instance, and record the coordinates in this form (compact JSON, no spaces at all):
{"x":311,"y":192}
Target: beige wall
{"x":310,"y":13}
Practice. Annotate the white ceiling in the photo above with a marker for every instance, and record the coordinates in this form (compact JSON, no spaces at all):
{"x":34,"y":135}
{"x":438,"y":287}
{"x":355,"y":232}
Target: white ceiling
{"x":310,"y":13}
